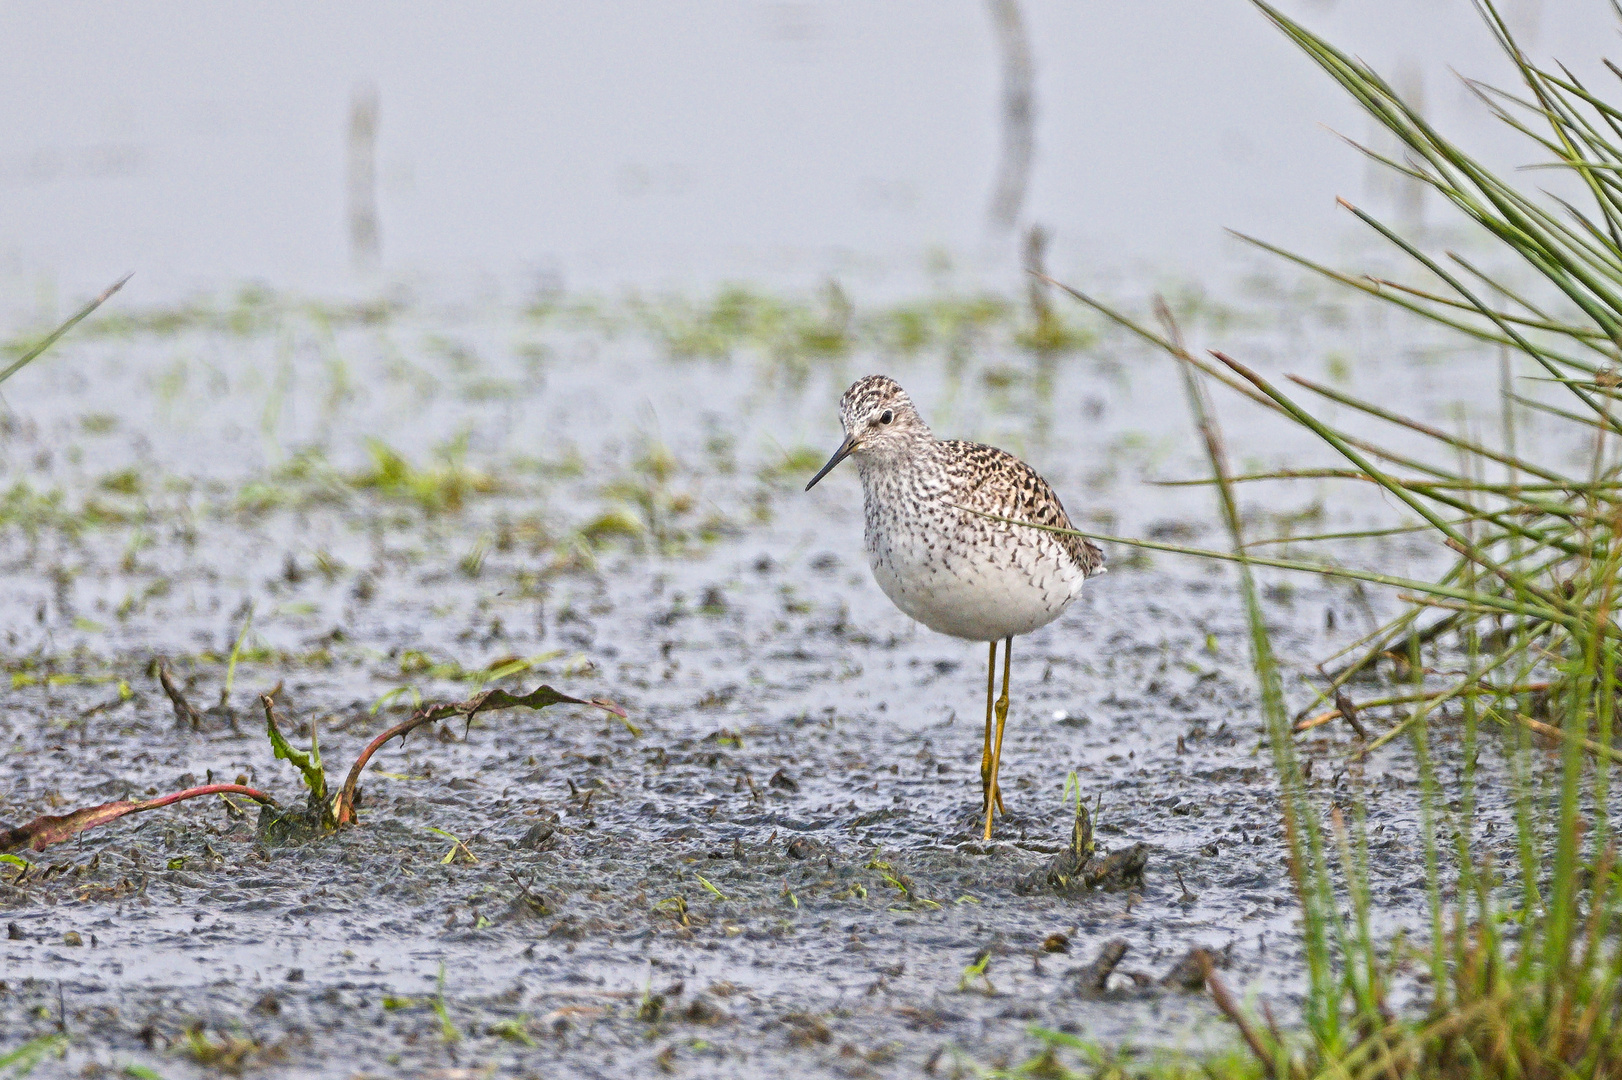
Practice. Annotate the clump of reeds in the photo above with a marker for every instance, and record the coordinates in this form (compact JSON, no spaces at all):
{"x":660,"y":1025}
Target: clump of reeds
{"x":1527,"y":973}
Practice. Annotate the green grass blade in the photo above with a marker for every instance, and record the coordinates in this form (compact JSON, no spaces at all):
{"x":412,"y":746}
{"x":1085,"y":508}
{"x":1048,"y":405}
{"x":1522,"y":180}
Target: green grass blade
{"x":51,"y":339}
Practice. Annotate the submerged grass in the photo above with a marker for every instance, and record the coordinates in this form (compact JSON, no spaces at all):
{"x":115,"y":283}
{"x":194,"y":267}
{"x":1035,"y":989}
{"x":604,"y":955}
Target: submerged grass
{"x":443,"y":486}
{"x":19,"y":1061}
{"x":795,"y":332}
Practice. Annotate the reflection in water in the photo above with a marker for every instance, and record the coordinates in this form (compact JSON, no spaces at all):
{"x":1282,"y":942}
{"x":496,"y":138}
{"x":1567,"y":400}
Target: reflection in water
{"x":1018,"y":113}
{"x":1406,"y":194}
{"x":1043,"y":320}
{"x":365,"y":238}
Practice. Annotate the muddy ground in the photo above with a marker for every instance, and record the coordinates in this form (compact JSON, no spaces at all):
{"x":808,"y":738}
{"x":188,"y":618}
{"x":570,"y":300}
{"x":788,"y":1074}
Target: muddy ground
{"x":774,"y":867}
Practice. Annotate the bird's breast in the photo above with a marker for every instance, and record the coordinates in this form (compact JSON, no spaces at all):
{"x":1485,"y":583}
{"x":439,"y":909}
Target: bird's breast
{"x":959,"y":573}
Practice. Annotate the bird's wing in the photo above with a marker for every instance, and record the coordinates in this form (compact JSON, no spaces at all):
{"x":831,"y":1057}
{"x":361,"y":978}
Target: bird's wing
{"x":994,"y":481}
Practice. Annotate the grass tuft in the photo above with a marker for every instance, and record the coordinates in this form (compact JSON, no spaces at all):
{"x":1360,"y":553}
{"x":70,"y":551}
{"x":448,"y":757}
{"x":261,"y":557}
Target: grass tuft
{"x":1518,"y":635}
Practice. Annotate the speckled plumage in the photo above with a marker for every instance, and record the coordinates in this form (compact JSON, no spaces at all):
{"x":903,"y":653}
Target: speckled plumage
{"x":938,"y":556}
{"x":954,"y":571}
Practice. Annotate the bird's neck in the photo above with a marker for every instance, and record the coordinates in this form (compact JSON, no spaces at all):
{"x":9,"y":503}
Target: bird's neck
{"x":881,"y":466}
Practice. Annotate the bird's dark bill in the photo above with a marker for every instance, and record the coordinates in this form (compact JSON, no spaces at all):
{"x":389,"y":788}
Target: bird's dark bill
{"x":839,"y":455}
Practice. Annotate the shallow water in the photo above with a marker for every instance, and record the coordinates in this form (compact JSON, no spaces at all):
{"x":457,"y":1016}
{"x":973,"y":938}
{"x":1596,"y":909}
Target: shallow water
{"x":800,"y":747}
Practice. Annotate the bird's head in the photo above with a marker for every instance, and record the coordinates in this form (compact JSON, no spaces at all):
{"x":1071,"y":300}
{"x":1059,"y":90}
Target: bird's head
{"x":879,"y":420}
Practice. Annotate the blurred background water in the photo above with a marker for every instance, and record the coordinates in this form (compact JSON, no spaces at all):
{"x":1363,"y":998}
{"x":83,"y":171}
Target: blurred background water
{"x":501,"y":148}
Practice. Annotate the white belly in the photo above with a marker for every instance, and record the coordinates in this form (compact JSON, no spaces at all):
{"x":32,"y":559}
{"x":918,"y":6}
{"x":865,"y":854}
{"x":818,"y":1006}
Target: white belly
{"x":976,"y":592}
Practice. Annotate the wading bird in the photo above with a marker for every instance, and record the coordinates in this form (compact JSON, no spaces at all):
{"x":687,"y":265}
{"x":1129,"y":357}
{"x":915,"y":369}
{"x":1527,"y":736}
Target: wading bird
{"x":939,"y":558}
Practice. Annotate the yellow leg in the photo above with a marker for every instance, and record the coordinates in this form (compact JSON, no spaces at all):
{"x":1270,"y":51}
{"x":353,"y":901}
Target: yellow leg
{"x":1002,"y":721}
{"x":995,"y":798}
{"x":985,"y":756}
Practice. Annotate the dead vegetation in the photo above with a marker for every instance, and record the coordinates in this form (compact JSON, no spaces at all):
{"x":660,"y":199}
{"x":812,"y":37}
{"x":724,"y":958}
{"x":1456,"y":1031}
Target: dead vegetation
{"x":323,"y":810}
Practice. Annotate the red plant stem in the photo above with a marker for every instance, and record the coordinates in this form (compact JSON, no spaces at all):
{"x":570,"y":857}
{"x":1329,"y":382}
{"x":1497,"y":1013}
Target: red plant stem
{"x":343,"y":810}
{"x":48,"y":829}
{"x":208,"y":789}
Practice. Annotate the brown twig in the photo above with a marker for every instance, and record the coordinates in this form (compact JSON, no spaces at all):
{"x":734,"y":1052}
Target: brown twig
{"x":1430,"y":695}
{"x":1229,"y":1008}
{"x":1550,"y":731}
{"x":1091,"y":979}
{"x":1344,"y":706}
{"x":46,"y":830}
{"x":184,"y":712}
{"x":1317,"y":721}
{"x":343,"y":810}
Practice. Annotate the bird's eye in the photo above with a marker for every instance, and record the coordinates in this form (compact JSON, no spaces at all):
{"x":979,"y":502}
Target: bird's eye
{"x":886,"y":416}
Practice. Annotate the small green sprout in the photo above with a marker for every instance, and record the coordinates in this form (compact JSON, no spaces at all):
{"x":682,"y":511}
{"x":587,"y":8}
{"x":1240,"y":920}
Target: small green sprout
{"x":677,"y":905}
{"x":513,"y":1030}
{"x":447,"y":1029}
{"x":977,"y":970}
{"x":236,"y":652}
{"x":1081,"y":832}
{"x":398,"y":691}
{"x":458,"y":846}
{"x":900,"y":882}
